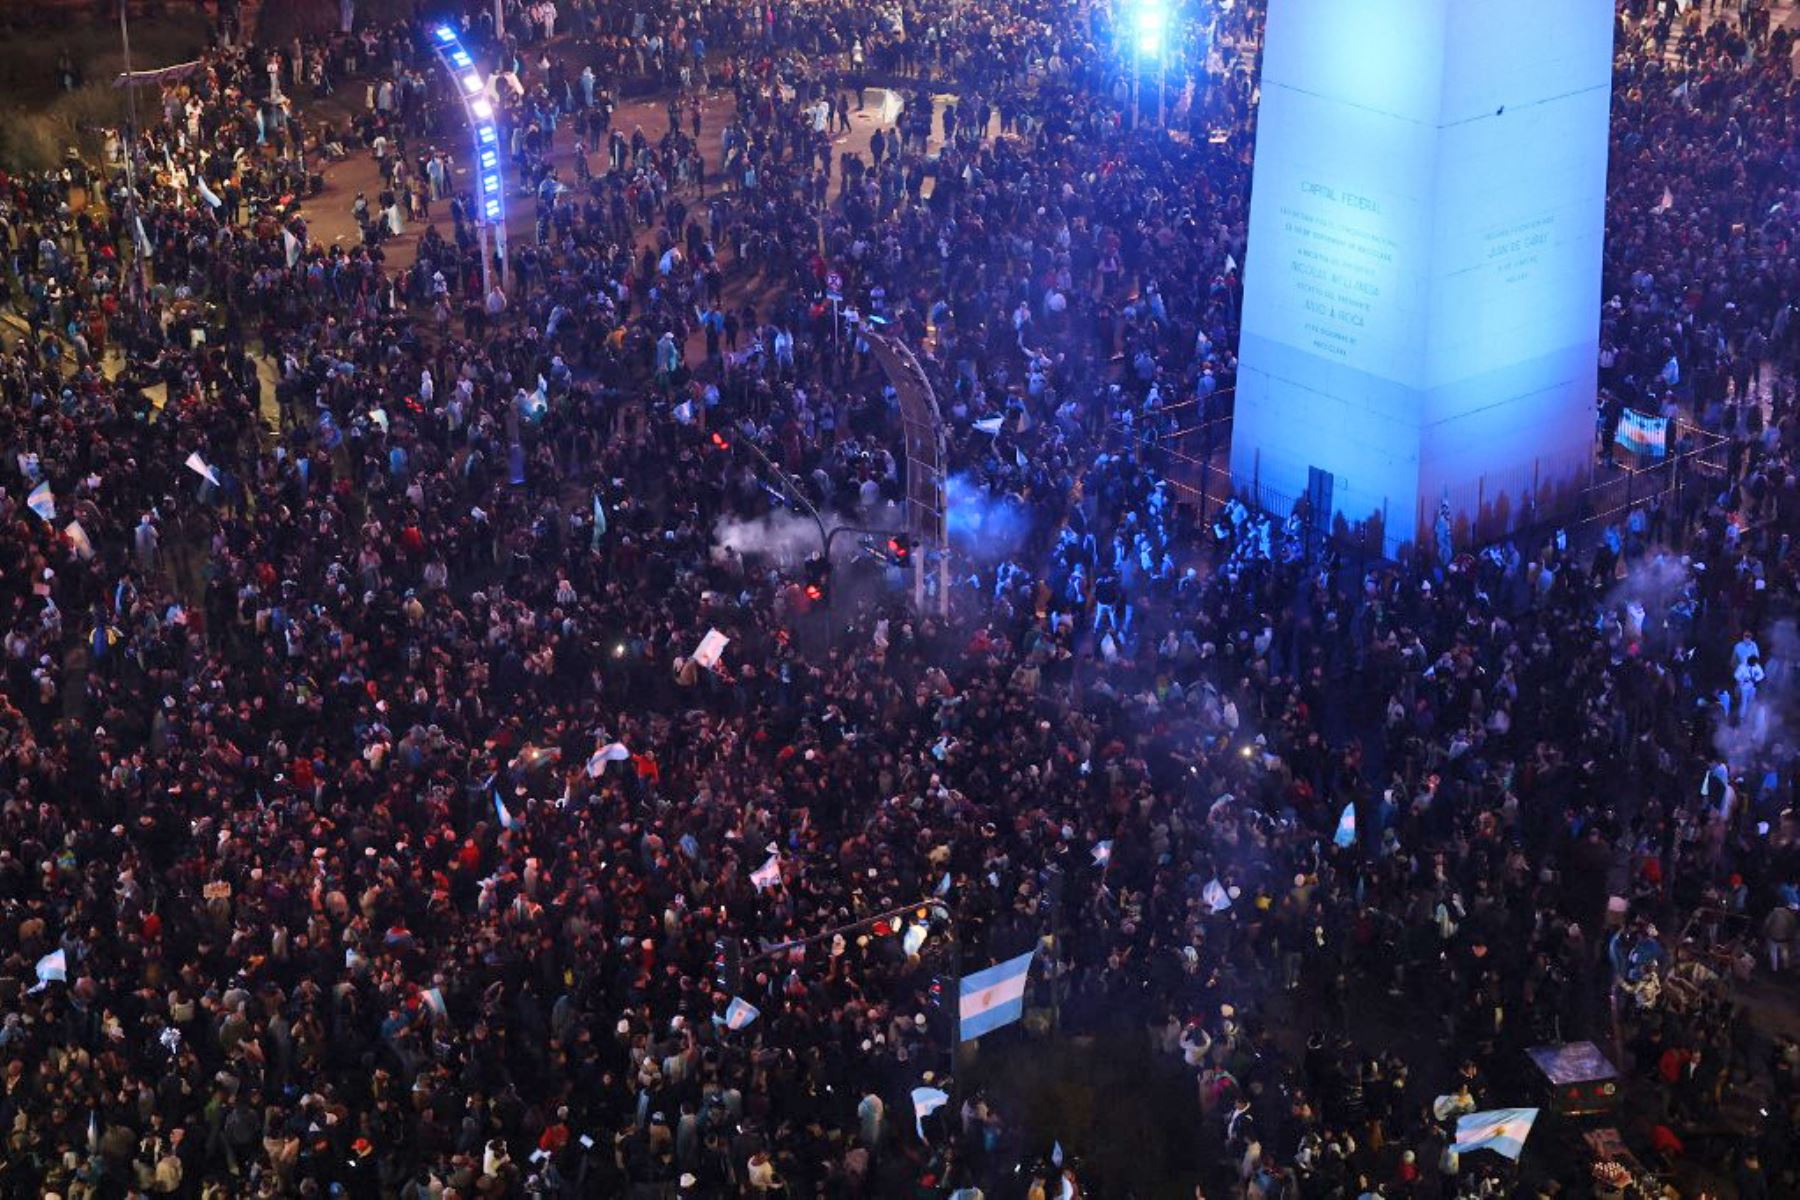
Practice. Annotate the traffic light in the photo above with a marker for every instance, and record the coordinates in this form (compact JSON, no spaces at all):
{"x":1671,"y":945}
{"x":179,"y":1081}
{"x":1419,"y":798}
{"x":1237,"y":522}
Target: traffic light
{"x":818,"y":579}
{"x":728,"y":964}
{"x":719,"y":441}
{"x":899,"y":549}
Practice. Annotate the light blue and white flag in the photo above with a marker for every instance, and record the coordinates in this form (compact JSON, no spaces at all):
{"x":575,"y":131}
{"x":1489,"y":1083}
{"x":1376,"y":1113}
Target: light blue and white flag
{"x":1103,"y":853}
{"x":202,"y":468}
{"x":943,"y":886}
{"x":507,"y":820}
{"x":768,"y":875}
{"x":42,"y":501}
{"x":78,"y":538}
{"x":1346,"y":826}
{"x":1215,"y":895}
{"x":995,"y":997}
{"x":913,"y":940}
{"x":1502,"y":1130}
{"x":926,"y":1100}
{"x":990,"y":425}
{"x":434,"y":1000}
{"x":599,"y":517}
{"x":207,"y":194}
{"x":52,"y":968}
{"x":739,"y":1013}
{"x":612,"y":752}
{"x":1056,"y":1154}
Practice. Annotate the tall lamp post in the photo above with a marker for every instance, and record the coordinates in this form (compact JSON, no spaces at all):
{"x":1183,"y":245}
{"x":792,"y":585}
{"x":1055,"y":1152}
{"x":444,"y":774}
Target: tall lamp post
{"x":131,"y":206}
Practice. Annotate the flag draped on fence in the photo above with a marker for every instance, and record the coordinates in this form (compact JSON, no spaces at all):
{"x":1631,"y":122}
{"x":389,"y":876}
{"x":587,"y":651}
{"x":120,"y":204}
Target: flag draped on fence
{"x":1643,"y":434}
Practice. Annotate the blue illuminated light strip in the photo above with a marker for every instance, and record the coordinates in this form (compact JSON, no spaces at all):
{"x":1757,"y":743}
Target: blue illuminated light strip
{"x":470,"y":89}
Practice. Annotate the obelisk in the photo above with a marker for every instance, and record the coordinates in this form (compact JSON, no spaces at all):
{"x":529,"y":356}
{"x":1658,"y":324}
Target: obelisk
{"x":1422,"y":284}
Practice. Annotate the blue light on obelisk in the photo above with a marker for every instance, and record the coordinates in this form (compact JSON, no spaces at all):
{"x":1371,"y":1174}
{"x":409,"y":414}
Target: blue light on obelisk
{"x":1422,"y":286}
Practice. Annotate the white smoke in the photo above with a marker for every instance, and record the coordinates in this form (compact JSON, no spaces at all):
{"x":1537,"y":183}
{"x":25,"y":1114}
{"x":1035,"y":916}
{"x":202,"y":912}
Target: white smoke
{"x":1743,"y":742}
{"x":984,"y":527}
{"x":786,"y":537}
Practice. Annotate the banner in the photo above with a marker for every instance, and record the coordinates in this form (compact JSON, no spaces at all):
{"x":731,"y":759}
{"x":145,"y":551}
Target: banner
{"x":711,"y":647}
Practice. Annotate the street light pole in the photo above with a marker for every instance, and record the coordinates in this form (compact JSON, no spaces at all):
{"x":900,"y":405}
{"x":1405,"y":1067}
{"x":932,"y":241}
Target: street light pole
{"x":131,"y":210}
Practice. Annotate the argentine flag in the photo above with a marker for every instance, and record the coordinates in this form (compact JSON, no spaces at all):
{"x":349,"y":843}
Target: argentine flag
{"x":1346,"y":827}
{"x":42,"y":501}
{"x":739,"y":1013}
{"x":1103,"y":853}
{"x":1502,"y":1130}
{"x":202,"y":468}
{"x":52,"y":968}
{"x":994,"y":997}
{"x":612,"y":752}
{"x":767,"y":875}
{"x":926,"y":1100}
{"x":507,"y":820}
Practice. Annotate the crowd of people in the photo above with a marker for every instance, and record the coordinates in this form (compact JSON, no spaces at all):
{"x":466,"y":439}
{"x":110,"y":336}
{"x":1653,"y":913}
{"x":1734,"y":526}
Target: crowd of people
{"x":371,"y":823}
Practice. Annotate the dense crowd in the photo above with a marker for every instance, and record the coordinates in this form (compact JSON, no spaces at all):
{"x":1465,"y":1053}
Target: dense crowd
{"x":367,"y":826}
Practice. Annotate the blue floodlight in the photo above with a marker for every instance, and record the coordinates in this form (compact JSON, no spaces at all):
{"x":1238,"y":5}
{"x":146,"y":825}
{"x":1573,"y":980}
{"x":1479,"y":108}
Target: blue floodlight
{"x":461,"y":58}
{"x":445,"y":33}
{"x":1149,"y":20}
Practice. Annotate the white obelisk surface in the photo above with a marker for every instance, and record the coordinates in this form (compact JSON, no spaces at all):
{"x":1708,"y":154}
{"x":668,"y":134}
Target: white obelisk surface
{"x":1422,"y":285}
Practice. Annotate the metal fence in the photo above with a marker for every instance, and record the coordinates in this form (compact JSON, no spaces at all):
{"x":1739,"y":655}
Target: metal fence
{"x":1197,"y":462}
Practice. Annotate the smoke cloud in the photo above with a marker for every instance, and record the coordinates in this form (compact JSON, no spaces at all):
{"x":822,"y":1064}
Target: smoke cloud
{"x":786,"y":537}
{"x":984,"y":526}
{"x":1750,"y":734}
